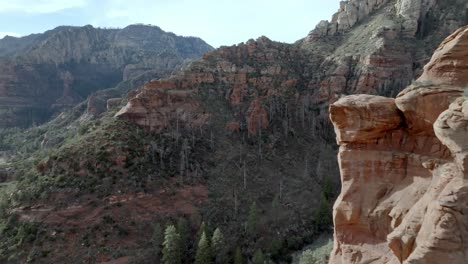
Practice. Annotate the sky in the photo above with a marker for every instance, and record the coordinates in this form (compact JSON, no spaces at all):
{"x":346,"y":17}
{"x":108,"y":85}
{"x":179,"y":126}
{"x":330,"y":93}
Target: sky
{"x":218,"y":22}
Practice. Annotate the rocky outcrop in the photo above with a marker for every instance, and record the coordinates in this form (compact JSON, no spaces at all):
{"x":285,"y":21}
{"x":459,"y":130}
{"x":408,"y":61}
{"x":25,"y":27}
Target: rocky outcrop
{"x":447,"y":65}
{"x":411,"y":11}
{"x":403,"y":168}
{"x":44,"y":74}
{"x":413,"y":15}
{"x":257,"y":117}
{"x":158,"y":106}
{"x":379,"y":56}
{"x":244,"y":75}
{"x":350,"y":13}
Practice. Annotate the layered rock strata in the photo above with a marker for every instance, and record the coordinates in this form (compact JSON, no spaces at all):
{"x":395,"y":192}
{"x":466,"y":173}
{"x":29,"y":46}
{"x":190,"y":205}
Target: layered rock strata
{"x":403,"y":165}
{"x":44,"y":74}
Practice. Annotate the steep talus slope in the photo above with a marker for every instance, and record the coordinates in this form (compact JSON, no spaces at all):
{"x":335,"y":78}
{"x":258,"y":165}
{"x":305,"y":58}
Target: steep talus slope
{"x":44,"y":74}
{"x":403,"y":165}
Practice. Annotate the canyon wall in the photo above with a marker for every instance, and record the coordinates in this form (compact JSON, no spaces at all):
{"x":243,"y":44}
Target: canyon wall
{"x":44,"y":74}
{"x":404,"y":165}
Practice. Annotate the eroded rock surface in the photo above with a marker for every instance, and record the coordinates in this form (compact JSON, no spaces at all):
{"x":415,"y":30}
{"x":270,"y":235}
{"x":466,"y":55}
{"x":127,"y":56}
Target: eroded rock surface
{"x":447,"y":66}
{"x":403,"y":170}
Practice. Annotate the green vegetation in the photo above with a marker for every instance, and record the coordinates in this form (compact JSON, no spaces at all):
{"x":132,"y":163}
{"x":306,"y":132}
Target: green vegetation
{"x":183,"y":230}
{"x":219,"y":247}
{"x":258,"y":258}
{"x":318,"y":254}
{"x":157,"y":239}
{"x":171,"y":250}
{"x":238,"y":258}
{"x":203,"y":251}
{"x":252,"y":220}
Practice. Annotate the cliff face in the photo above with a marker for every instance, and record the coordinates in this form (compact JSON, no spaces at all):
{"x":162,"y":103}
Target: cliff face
{"x":44,"y":74}
{"x":248,"y":77}
{"x":403,"y":165}
{"x":382,"y":45}
{"x":368,"y":47}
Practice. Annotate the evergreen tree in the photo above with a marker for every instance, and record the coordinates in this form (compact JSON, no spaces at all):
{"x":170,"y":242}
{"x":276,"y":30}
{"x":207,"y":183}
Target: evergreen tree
{"x":238,"y":258}
{"x":157,"y":239}
{"x":183,"y":230}
{"x":201,"y":230}
{"x":327,"y":189}
{"x":218,"y":247}
{"x":258,"y":257}
{"x":171,"y":250}
{"x":323,"y":215}
{"x":252,"y":220}
{"x":203,"y":255}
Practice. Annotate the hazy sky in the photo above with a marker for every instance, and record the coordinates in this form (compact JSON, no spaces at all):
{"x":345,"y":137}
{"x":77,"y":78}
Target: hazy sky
{"x":218,"y":22}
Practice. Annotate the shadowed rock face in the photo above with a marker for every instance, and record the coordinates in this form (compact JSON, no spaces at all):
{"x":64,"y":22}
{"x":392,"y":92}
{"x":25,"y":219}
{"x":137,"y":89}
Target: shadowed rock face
{"x":404,"y":168}
{"x":43,"y":74}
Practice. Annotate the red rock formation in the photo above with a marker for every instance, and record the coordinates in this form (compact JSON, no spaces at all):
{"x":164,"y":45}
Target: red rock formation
{"x":241,"y":74}
{"x":257,"y":117}
{"x":233,"y":127}
{"x":157,"y":106}
{"x":403,"y":169}
{"x":447,"y":65}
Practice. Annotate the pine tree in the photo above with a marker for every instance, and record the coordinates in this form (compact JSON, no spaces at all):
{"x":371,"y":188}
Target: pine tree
{"x":258,"y":257}
{"x":157,"y":239}
{"x":323,"y":215}
{"x":171,"y":250}
{"x":201,"y":230}
{"x":203,"y":255}
{"x":327,"y":189}
{"x":183,"y":230}
{"x":238,"y":258}
{"x":218,"y":247}
{"x":252,"y":220}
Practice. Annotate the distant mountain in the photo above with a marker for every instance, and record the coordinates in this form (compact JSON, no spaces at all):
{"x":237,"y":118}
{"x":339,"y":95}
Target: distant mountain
{"x":43,"y":74}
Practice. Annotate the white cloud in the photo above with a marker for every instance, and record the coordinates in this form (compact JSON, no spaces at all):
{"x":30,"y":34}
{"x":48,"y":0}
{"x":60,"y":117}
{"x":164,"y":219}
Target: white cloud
{"x":39,"y":6}
{"x":3,"y":34}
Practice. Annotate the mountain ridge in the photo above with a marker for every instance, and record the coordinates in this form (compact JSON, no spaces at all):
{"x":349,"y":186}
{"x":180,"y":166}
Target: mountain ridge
{"x":55,"y":70}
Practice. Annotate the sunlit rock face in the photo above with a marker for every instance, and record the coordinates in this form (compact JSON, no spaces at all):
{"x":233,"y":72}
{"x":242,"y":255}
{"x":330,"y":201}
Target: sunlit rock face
{"x":404,"y":167}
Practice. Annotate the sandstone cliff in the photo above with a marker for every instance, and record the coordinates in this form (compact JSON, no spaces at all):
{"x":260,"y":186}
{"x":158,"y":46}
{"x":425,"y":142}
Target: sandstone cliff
{"x":43,"y":74}
{"x":367,"y":49}
{"x":403,"y":165}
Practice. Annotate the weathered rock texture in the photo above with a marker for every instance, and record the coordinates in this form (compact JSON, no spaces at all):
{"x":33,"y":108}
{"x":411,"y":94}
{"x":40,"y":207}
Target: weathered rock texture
{"x":404,"y":166}
{"x":43,"y":74}
{"x":380,"y":54}
{"x":246,"y":76}
{"x":373,"y":57}
{"x":448,"y":66}
{"x":350,"y":13}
